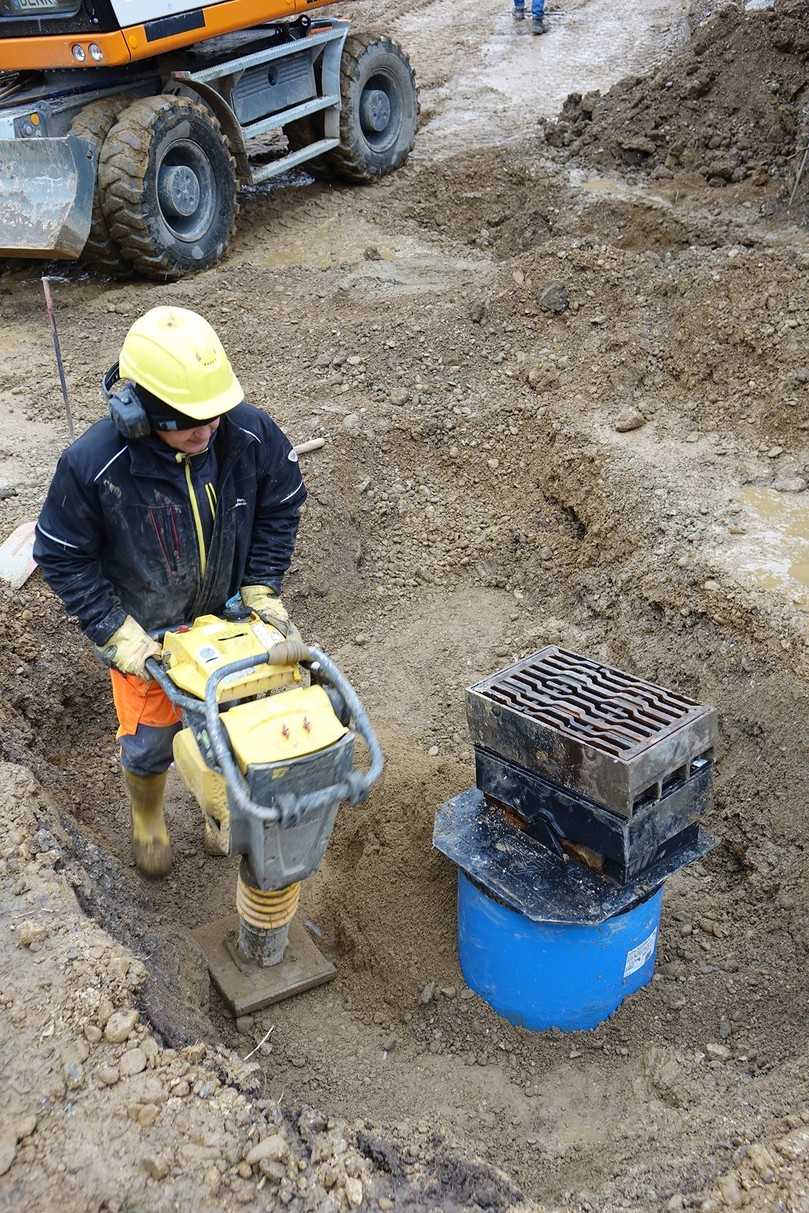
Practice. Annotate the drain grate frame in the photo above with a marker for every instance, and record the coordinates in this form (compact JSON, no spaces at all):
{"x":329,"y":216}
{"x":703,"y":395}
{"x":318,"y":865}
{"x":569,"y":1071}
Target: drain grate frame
{"x":592,"y":729}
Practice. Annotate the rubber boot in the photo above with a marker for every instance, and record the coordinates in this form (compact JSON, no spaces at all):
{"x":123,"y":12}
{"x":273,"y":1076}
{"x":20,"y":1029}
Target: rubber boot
{"x":538,"y":25}
{"x":518,"y":14}
{"x":150,"y":838}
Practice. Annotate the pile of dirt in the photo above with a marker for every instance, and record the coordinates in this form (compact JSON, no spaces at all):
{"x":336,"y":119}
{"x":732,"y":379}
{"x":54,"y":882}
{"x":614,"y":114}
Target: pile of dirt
{"x":101,"y":1092}
{"x":728,"y":107}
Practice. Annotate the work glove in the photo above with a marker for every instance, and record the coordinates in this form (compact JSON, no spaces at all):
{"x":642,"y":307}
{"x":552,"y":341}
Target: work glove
{"x":265,"y":603}
{"x":128,"y":648}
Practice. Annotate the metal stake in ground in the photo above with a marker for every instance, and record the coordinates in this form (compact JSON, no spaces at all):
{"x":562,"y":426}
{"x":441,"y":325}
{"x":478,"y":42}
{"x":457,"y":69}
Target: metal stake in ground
{"x":57,"y":349}
{"x":17,"y":552}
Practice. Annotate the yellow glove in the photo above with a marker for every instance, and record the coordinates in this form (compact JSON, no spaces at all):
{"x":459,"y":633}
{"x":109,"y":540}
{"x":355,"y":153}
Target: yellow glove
{"x":128,"y":648}
{"x":268,"y":606}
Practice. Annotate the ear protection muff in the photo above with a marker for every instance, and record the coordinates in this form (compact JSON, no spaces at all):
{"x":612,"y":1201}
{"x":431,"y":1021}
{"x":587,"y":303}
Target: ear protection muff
{"x":130,"y":417}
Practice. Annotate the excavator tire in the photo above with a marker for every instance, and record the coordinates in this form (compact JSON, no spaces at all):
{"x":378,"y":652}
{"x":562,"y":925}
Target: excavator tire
{"x":378,"y":117}
{"x":168,"y":187}
{"x":376,"y":135}
{"x":94,"y":123}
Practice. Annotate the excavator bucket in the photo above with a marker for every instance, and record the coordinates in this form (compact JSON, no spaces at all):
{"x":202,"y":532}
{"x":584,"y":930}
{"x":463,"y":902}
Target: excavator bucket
{"x":46,"y":196}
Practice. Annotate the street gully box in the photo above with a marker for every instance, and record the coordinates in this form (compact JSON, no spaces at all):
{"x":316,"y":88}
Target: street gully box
{"x":593,"y":763}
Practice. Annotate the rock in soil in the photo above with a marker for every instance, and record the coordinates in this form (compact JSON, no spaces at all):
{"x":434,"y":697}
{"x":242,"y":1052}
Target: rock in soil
{"x":119,"y":1026}
{"x":790,"y":484}
{"x":274,"y":1148}
{"x":156,"y":1165}
{"x":554,"y":298}
{"x":8,"y":1149}
{"x":132,"y":1062}
{"x":629,"y":419}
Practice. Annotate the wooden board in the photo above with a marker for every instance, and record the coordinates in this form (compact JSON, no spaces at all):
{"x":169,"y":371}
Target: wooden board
{"x":246,"y":987}
{"x":16,"y":555}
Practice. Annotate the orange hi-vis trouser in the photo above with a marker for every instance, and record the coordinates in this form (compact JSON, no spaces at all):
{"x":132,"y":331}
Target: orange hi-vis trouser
{"x":147,"y":723}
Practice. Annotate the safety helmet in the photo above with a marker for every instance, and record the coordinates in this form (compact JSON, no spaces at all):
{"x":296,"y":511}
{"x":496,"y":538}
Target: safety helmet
{"x":175,"y":354}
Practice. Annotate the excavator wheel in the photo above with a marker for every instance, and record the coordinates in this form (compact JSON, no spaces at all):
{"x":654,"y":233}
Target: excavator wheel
{"x":94,"y":123}
{"x":380,"y":108}
{"x":168,"y":187}
{"x":378,"y":117}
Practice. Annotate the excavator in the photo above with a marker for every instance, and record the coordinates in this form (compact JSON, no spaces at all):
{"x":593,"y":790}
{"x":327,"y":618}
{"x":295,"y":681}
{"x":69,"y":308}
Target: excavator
{"x":128,"y":127}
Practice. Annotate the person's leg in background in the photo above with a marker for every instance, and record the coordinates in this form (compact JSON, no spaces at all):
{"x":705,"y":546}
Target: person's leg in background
{"x":148,"y":723}
{"x":537,"y":16}
{"x":518,"y":11}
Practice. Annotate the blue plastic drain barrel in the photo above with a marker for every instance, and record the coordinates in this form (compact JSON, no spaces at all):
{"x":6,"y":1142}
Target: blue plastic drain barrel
{"x":543,"y":975}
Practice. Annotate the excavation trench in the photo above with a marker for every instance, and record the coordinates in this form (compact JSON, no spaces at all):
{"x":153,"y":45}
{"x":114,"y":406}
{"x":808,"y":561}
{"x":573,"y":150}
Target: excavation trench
{"x":635,"y":1110}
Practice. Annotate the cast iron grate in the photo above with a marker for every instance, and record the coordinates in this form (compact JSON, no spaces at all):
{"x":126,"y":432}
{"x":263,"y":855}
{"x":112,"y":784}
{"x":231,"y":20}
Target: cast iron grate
{"x":613,"y":712}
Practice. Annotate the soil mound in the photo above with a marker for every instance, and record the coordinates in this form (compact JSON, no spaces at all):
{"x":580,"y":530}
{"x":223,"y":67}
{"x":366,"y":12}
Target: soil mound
{"x":728,"y":107}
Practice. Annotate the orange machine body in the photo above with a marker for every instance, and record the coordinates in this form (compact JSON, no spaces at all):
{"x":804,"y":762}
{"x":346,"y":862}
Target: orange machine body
{"x":118,"y":47}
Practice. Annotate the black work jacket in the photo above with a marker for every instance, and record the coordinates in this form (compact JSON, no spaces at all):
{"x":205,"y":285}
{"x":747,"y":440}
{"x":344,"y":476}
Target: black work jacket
{"x":118,"y":534}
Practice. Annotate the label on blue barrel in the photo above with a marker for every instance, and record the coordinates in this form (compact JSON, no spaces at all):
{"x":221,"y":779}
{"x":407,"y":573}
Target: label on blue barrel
{"x":636,"y":957}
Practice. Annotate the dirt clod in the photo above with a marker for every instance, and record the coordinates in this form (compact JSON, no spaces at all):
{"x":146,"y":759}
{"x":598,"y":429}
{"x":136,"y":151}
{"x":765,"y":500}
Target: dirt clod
{"x":790,"y":484}
{"x":629,"y":419}
{"x":272,"y":1149}
{"x":157,"y":1166}
{"x":353,"y":1191}
{"x":118,"y":1027}
{"x":132,"y":1062}
{"x":8,"y":1149}
{"x":31,"y":934}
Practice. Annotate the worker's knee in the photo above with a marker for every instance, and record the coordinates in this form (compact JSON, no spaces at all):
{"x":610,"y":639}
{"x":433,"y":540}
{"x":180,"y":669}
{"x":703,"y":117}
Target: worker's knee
{"x":148,"y":751}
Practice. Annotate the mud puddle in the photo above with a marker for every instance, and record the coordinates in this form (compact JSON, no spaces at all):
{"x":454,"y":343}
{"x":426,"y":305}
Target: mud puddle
{"x":614,"y":189}
{"x":774,"y":551}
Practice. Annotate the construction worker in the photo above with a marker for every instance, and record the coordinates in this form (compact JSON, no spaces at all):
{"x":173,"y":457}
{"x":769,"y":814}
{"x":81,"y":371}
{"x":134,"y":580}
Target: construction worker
{"x":181,"y":498}
{"x":537,"y":14}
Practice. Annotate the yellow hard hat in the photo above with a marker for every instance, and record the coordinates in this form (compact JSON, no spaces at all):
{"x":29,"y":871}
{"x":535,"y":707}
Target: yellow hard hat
{"x":176,"y":355}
